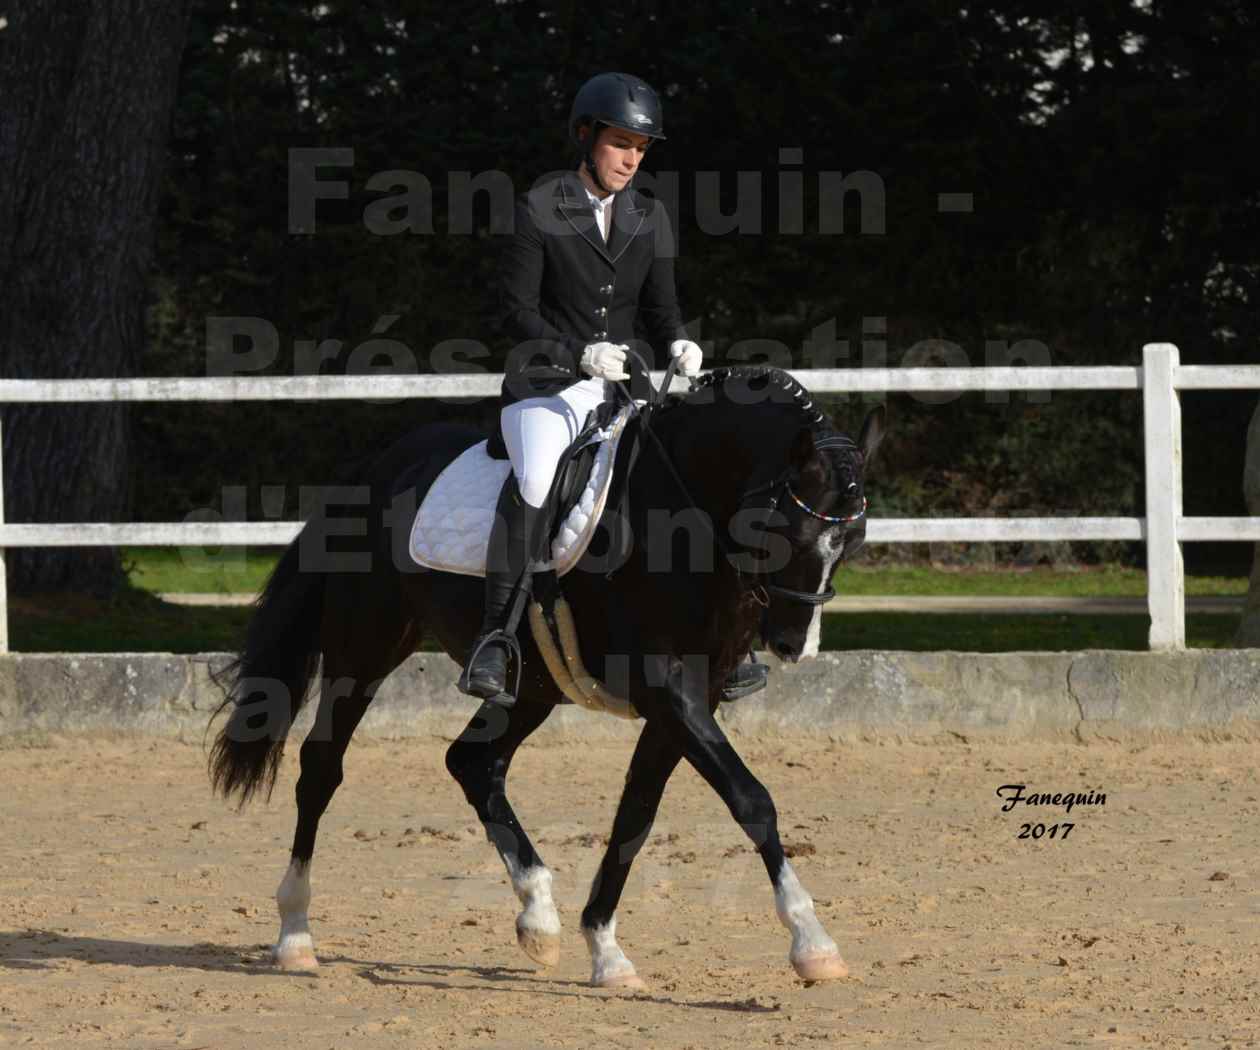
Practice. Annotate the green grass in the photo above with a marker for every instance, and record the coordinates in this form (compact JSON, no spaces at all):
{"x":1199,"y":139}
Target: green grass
{"x":190,"y":570}
{"x":133,"y":622}
{"x":1103,"y":582}
{"x":987,"y":633}
{"x":137,"y":621}
{"x":240,"y":570}
{"x":140,"y":622}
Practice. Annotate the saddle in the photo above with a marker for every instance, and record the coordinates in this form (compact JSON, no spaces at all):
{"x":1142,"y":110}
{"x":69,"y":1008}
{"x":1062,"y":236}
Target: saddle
{"x":451,"y":533}
{"x":451,"y":530}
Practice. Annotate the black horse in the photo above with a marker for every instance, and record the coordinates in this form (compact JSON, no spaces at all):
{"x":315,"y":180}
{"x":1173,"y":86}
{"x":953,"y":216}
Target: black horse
{"x":741,"y":503}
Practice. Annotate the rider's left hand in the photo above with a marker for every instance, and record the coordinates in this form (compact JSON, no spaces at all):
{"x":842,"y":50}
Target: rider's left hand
{"x":691,"y":355}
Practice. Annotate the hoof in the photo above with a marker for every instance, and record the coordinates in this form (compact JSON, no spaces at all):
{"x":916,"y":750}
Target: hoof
{"x":543,"y":948}
{"x":631,"y":981}
{"x":820,"y":967}
{"x":301,"y":960}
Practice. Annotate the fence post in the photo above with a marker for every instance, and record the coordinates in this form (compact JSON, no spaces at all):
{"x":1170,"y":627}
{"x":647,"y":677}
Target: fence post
{"x":1165,"y":573}
{"x":4,"y":582}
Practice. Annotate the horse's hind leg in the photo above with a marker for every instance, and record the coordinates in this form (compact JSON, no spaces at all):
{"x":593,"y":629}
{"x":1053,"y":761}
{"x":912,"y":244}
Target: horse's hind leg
{"x":479,"y":762}
{"x":343,"y":701}
{"x":655,"y":758}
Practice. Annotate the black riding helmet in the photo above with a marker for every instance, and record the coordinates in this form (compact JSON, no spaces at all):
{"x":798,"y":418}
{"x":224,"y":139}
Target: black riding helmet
{"x":620,"y":101}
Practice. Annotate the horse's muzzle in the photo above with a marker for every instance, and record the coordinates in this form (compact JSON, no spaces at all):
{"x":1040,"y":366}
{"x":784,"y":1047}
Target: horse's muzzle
{"x":786,"y":649}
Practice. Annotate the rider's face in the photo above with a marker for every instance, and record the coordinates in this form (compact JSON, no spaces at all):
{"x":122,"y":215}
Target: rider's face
{"x":617,"y":155}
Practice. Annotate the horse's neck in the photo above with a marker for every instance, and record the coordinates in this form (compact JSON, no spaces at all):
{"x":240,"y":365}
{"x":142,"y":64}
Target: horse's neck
{"x":723,"y":449}
{"x":713,"y":456}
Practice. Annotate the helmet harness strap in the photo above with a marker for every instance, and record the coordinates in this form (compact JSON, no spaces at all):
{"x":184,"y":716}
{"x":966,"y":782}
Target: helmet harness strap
{"x":588,"y":155}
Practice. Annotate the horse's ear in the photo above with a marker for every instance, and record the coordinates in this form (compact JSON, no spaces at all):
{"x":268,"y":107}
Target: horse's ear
{"x":804,"y":458}
{"x":872,"y":433}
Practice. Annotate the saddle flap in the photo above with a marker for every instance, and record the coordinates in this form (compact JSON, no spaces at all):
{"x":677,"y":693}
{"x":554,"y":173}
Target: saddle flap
{"x":451,"y":529}
{"x":571,"y":482}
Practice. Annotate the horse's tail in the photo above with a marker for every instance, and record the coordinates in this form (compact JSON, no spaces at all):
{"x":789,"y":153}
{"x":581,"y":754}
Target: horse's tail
{"x":268,"y":682}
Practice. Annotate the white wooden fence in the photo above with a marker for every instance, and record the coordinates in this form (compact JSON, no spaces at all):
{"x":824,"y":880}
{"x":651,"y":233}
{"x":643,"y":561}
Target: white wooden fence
{"x":1159,"y":378}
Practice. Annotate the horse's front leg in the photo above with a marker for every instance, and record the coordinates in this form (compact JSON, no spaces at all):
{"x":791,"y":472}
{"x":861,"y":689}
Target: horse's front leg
{"x":655,"y":757}
{"x":479,"y":762}
{"x":689,"y":719}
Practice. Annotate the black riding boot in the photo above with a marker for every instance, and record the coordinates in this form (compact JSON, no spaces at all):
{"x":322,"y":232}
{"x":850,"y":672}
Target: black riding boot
{"x":512,"y":540}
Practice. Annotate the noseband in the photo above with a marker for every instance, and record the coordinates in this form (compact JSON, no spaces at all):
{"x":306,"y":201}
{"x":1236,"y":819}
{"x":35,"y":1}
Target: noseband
{"x":781,"y":485}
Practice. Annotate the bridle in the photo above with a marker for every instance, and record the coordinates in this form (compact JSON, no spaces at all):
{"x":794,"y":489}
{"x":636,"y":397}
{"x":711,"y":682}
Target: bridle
{"x":778,"y":487}
{"x":781,"y":486}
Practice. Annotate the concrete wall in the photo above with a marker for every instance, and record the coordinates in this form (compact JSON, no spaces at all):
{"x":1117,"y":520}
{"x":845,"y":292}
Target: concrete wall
{"x":1094,"y":695}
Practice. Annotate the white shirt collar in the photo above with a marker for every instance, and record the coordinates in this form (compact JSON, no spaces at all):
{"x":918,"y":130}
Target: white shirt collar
{"x":600,"y":203}
{"x":603,"y":210}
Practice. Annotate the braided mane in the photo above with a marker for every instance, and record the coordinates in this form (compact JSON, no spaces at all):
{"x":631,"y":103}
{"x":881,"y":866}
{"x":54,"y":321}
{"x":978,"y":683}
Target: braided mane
{"x":748,"y":373}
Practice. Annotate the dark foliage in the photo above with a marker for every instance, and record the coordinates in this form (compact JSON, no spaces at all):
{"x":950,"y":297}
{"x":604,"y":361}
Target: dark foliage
{"x":1110,"y":148}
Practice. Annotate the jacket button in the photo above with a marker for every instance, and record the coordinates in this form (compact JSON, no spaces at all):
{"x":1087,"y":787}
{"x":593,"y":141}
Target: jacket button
{"x":601,"y":310}
{"x":606,"y":289}
{"x":598,"y":335}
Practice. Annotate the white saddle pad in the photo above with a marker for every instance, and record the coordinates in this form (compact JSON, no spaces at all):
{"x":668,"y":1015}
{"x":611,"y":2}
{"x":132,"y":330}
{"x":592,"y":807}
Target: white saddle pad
{"x":452,"y":527}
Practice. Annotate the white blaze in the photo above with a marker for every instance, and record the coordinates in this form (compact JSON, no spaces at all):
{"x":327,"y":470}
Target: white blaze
{"x":830,"y":547}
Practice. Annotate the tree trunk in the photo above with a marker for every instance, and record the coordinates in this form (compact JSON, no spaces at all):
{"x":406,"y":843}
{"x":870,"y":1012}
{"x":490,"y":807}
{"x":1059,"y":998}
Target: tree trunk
{"x":86,"y":93}
{"x":1249,"y":631}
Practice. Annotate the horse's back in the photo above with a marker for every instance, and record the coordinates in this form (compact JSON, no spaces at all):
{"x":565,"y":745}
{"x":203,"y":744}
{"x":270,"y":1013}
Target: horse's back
{"x":413,"y":462}
{"x":387,"y":488}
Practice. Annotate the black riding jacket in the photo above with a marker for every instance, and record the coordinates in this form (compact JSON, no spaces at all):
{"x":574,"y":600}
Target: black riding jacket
{"x":562,"y":287}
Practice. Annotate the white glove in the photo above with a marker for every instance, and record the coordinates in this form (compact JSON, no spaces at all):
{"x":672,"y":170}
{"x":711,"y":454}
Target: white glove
{"x":691,"y":355}
{"x":605,"y":361}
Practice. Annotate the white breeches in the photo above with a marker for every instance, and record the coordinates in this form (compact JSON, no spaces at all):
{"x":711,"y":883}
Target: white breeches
{"x":537,"y":430}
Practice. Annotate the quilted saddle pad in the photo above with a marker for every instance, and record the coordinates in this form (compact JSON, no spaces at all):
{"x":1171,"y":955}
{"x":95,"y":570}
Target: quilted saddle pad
{"x":451,"y":530}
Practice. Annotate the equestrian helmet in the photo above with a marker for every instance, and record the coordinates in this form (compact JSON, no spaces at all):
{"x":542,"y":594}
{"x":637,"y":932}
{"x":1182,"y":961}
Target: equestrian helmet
{"x":619,"y":100}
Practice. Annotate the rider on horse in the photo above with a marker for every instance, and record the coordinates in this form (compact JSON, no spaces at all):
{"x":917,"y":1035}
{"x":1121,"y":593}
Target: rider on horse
{"x":587,"y":257}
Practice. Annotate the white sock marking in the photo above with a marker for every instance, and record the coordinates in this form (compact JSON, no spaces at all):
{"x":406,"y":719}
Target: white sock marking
{"x":533,"y":889}
{"x":294,"y":900}
{"x":795,"y":908}
{"x":607,"y":958}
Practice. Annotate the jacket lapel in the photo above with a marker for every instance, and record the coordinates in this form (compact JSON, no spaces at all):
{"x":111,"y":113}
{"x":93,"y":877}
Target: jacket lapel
{"x":627,"y":217}
{"x":579,"y":214}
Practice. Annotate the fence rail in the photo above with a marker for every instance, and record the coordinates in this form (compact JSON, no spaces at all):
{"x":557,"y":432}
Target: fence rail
{"x":1160,"y":378}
